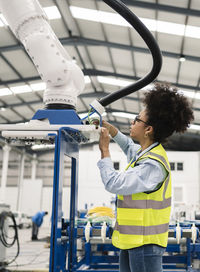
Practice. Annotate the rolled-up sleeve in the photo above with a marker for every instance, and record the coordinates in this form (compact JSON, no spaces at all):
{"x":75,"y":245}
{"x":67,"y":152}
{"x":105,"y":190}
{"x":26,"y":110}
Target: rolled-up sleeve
{"x":127,"y":145}
{"x":141,"y":178}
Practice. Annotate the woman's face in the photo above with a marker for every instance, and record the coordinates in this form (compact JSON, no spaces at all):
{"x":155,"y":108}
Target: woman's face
{"x":138,"y":126}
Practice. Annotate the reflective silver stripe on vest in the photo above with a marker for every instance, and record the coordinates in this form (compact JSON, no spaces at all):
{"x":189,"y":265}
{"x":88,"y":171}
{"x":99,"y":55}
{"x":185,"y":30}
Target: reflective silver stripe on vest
{"x":142,"y":230}
{"x":129,"y":203}
{"x":166,"y":185}
{"x":160,"y":158}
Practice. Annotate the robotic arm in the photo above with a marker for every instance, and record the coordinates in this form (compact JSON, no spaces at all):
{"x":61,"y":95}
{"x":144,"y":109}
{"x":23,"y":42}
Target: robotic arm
{"x":63,"y":78}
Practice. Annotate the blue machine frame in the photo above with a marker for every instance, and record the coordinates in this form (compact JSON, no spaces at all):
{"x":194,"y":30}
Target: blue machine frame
{"x":65,"y":145}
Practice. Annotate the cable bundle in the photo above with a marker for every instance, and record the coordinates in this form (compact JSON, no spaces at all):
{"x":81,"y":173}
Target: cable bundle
{"x":4,"y":238}
{"x":101,"y":214}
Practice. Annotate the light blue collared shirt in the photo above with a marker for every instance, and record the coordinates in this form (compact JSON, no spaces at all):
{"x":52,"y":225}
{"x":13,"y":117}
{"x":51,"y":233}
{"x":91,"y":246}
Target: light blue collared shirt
{"x":145,"y":177}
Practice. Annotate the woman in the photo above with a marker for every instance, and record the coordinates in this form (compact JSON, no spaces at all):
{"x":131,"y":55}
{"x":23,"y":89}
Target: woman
{"x":144,"y":188}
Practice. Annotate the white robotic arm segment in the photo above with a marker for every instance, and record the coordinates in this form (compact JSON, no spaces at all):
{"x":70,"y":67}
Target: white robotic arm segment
{"x":18,"y":12}
{"x":64,"y":79}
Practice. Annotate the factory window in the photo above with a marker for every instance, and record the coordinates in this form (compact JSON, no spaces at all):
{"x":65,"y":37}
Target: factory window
{"x":172,"y":166}
{"x":179,"y":166}
{"x":116,"y":165}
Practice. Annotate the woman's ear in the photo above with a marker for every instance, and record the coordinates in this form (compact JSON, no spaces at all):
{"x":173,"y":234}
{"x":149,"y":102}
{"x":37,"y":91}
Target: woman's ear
{"x":149,"y":131}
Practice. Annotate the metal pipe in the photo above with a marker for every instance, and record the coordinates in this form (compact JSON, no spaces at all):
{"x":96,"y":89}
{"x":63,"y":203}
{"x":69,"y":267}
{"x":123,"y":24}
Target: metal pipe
{"x":6,"y":151}
{"x":20,"y":183}
{"x":34,"y":167}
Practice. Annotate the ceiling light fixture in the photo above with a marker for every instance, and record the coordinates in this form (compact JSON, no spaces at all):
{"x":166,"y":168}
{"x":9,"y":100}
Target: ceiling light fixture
{"x":182,"y":58}
{"x":74,"y":60}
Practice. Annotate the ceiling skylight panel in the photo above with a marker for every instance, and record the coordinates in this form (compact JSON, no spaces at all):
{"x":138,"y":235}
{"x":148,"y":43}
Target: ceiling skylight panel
{"x":38,"y":86}
{"x":153,"y":25}
{"x":98,"y":16}
{"x":192,"y":95}
{"x":52,"y":12}
{"x":87,"y":79}
{"x":194,"y":127}
{"x":124,"y":115}
{"x":120,"y":82}
{"x":113,"y":81}
{"x":192,"y":31}
{"x":170,"y":28}
{"x":2,"y":20}
{"x":21,"y":89}
{"x":5,"y":91}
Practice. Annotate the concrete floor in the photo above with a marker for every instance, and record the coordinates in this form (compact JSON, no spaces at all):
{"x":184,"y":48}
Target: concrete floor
{"x":34,"y":255}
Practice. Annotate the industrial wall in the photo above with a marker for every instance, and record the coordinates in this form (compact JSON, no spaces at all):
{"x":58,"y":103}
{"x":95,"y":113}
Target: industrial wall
{"x":185,"y":183}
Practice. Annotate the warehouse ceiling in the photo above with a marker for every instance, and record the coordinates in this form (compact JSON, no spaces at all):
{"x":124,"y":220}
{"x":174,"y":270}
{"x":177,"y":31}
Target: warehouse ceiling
{"x":111,"y":55}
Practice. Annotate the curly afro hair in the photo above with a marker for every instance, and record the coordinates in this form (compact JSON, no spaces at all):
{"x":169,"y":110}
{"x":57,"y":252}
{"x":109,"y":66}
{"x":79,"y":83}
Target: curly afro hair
{"x":167,"y":111}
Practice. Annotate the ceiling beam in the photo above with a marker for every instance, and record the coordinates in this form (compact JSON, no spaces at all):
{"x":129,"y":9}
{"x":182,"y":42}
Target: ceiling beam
{"x":19,"y":80}
{"x":94,"y":42}
{"x":81,"y":41}
{"x":97,"y":95}
{"x":95,"y":72}
{"x":15,"y":105}
{"x":162,"y":7}
{"x":12,"y":47}
{"x":129,"y":77}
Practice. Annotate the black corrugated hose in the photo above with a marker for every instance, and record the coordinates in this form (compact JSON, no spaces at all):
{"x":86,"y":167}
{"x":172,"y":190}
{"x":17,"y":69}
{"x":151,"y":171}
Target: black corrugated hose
{"x":4,"y":238}
{"x":148,"y":38}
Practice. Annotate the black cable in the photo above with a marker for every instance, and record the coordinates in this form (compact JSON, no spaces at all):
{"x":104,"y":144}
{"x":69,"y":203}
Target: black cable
{"x":4,"y":238}
{"x":31,"y":261}
{"x":148,"y":38}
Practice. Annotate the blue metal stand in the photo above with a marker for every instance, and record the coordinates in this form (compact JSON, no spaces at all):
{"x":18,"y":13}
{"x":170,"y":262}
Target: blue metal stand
{"x":66,"y":144}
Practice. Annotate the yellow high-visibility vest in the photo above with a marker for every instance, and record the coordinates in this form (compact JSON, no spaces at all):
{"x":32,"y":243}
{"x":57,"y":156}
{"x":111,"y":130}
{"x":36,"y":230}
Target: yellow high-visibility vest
{"x":143,"y":218}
